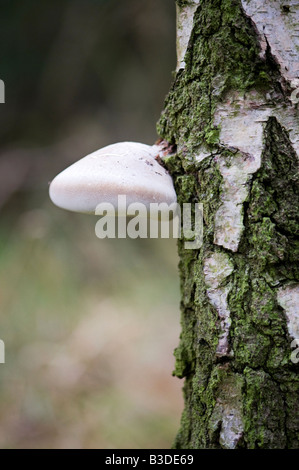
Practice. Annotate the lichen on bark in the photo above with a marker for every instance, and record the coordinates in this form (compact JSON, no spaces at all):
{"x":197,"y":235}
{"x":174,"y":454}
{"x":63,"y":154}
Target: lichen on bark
{"x":246,"y":397}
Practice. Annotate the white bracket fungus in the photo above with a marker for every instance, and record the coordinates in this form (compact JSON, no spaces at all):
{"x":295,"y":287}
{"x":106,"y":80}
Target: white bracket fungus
{"x":128,"y":169}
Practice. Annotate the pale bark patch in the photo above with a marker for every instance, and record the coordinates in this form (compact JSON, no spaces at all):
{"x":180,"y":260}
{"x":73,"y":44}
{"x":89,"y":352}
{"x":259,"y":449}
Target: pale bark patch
{"x":227,"y":414}
{"x":288,"y":299}
{"x":242,"y":121}
{"x":185,"y":17}
{"x":202,"y":154}
{"x":216,"y":269}
{"x":277,"y":23}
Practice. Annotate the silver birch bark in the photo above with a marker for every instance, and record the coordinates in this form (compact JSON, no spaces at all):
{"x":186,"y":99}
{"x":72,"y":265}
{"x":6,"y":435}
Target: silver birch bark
{"x":232,"y":115}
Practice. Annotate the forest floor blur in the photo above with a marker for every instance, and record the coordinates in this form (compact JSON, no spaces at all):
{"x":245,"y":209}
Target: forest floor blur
{"x":89,"y":328}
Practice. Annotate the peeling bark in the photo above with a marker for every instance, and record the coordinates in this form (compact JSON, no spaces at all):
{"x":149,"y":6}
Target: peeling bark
{"x":232,"y":114}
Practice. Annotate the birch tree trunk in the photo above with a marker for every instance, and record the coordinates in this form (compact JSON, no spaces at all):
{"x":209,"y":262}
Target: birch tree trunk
{"x":232,"y":115}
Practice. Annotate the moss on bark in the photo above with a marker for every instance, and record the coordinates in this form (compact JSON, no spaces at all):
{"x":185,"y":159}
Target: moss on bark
{"x":248,"y":399}
{"x":223,"y":54}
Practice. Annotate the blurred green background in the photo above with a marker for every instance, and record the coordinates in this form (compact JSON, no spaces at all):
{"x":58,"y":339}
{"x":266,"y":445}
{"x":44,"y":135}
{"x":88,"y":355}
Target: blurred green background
{"x":89,"y":325}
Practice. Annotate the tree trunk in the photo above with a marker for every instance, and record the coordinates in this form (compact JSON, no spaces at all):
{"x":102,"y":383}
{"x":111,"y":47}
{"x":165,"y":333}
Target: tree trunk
{"x":232,"y":114}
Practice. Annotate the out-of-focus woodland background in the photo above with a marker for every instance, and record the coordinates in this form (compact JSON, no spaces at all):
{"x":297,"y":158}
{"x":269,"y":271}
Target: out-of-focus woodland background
{"x":89,"y":325}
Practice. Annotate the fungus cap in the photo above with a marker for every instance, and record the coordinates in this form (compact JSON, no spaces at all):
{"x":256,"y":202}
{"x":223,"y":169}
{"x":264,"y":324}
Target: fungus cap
{"x":125,"y":168}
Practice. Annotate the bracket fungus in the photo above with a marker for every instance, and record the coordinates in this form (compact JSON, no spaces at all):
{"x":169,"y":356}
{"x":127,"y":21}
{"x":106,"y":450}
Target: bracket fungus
{"x":126,"y":168}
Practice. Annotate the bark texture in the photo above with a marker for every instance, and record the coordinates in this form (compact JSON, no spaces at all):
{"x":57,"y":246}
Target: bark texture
{"x":232,"y":115}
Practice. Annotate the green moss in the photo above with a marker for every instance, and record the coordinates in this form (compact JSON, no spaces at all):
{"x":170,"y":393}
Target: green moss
{"x":212,"y":136}
{"x":272,"y":216}
{"x":223,"y":54}
{"x":268,"y":246}
{"x":250,"y":347}
{"x":275,"y":190}
{"x":265,"y":312}
{"x":264,"y":412}
{"x":259,"y":330}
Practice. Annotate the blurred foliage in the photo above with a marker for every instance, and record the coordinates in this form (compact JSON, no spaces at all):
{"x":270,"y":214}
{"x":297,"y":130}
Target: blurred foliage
{"x":89,"y":325}
{"x":108,"y":60}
